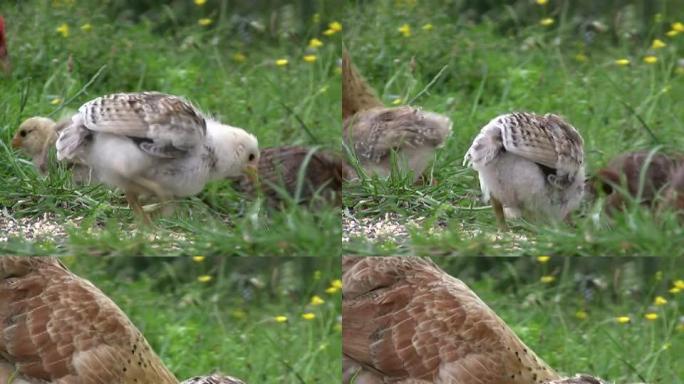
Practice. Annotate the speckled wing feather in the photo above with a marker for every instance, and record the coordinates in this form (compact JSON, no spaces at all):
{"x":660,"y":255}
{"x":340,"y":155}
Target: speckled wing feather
{"x":213,"y":379}
{"x":163,"y":125}
{"x":58,"y":328}
{"x":546,"y":140}
{"x":376,"y":132}
{"x":408,"y":321}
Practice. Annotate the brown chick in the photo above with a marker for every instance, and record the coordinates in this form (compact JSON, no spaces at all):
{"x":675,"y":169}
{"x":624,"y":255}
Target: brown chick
{"x":674,"y":194}
{"x":404,"y":320}
{"x":5,"y":64}
{"x":280,"y":168}
{"x":57,"y":328}
{"x":373,"y":132}
{"x":620,"y":179}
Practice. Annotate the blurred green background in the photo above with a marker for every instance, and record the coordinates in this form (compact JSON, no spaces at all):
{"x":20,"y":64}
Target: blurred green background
{"x":265,"y":320}
{"x":619,"y":318}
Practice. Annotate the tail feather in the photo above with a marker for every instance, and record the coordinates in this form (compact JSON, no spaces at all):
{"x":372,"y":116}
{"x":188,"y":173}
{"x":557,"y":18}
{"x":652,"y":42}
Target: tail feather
{"x":357,"y":94}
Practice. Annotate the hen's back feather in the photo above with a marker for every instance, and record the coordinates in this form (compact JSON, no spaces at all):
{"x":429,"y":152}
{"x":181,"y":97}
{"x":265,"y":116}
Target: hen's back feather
{"x":58,"y":328}
{"x":406,"y":320}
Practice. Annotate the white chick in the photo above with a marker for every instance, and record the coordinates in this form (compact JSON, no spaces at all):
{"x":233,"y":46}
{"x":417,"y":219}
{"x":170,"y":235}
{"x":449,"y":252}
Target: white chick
{"x":529,"y":165}
{"x":155,"y":144}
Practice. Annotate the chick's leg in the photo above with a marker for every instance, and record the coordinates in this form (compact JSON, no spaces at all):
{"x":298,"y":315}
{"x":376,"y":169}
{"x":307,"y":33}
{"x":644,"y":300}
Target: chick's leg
{"x":133,"y":202}
{"x":164,"y":197}
{"x":499,"y":214}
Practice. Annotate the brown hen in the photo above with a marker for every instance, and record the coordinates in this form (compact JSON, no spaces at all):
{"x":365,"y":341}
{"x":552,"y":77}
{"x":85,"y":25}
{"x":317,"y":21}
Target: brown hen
{"x":56,"y":327}
{"x":404,"y":320}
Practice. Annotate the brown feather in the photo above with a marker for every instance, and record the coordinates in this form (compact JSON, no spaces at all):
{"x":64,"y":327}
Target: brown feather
{"x":408,"y":321}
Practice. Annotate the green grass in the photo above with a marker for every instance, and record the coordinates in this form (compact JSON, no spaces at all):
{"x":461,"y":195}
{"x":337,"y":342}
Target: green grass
{"x":571,"y":323}
{"x":228,"y":324}
{"x":473,"y":70}
{"x":168,"y":51}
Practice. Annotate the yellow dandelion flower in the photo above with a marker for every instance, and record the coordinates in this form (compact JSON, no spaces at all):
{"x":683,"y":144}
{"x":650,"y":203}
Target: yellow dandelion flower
{"x":205,"y":21}
{"x":315,"y":43}
{"x":405,"y":30}
{"x":671,"y":33}
{"x":239,"y":57}
{"x":548,"y":279}
{"x":335,"y":26}
{"x":678,"y":26}
{"x":329,"y":32}
{"x":543,"y":259}
{"x":281,"y":62}
{"x":546,"y":22}
{"x":63,"y":29}
{"x":309,"y":58}
{"x":622,"y":62}
{"x":679,"y":284}
{"x":581,"y":314}
{"x":56,"y":101}
{"x":659,"y":300}
{"x":650,"y":59}
{"x":198,"y":259}
{"x":651,"y":316}
{"x":280,"y":319}
{"x":542,"y":2}
{"x":581,"y":57}
{"x":200,"y":3}
{"x":204,"y":278}
{"x":426,"y":27}
{"x":675,"y":290}
{"x":657,"y":44}
{"x":337,"y":283}
{"x":623,"y":319}
{"x":316,"y":300}
{"x":331,"y":290}
{"x":308,"y":316}
{"x":397,"y":101}
{"x":87,"y":27}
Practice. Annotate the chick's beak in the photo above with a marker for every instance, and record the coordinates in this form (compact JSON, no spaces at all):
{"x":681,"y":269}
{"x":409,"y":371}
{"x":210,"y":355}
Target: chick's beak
{"x":16,"y":142}
{"x":252,"y":173}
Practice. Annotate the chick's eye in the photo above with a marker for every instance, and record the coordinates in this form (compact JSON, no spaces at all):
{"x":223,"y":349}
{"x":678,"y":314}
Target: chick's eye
{"x":22,"y":133}
{"x":251,"y":157}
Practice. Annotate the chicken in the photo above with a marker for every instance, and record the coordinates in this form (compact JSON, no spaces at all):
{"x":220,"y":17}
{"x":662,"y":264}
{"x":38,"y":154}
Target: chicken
{"x":373,"y":132}
{"x":529,"y":165}
{"x":5,"y":64}
{"x":620,"y":179}
{"x":280,"y":169}
{"x":56,"y":327}
{"x":404,"y":320}
{"x":36,"y":136}
{"x":674,"y":194}
{"x":155,"y":144}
